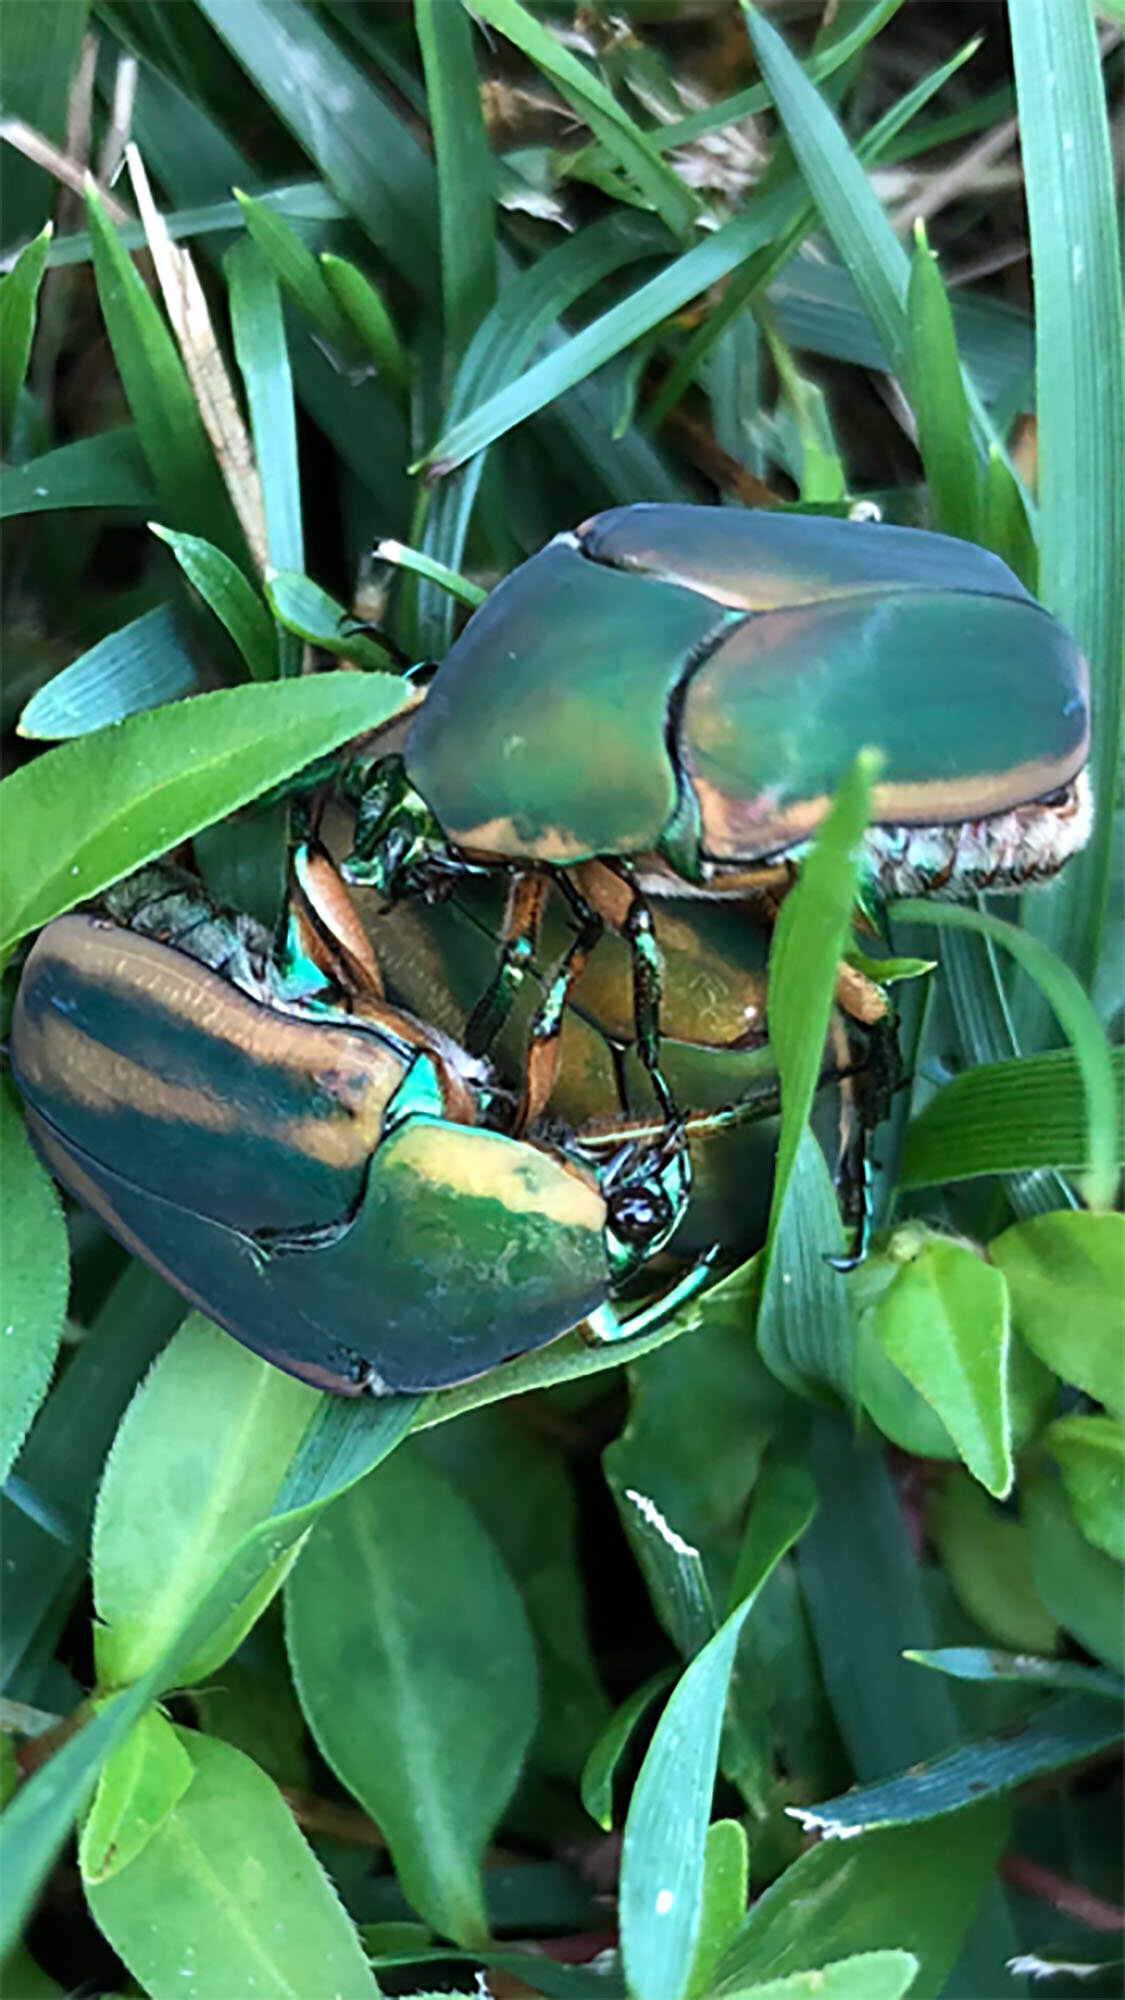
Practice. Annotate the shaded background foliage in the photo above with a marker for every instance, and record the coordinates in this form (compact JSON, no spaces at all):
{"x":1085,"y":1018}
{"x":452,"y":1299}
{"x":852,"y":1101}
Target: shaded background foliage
{"x":473,"y":277}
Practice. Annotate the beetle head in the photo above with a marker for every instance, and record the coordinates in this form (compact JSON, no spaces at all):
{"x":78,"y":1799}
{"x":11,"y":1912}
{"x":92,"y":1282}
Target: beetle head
{"x":646,"y":1190}
{"x":397,"y":846}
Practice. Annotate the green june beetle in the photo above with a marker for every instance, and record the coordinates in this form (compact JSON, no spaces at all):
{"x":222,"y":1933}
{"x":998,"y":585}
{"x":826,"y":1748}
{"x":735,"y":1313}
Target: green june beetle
{"x":671,"y":694}
{"x":685,"y":687}
{"x":318,"y":1175}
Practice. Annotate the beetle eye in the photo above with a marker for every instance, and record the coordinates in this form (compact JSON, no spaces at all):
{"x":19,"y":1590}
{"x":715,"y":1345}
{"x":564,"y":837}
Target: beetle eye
{"x":1060,"y":797}
{"x":638,"y":1214}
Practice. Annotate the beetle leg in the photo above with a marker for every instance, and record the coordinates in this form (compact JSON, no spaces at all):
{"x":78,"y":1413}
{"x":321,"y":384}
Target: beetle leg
{"x":614,"y":896}
{"x":543,"y":1047}
{"x":603,"y":1326}
{"x":526,"y":898}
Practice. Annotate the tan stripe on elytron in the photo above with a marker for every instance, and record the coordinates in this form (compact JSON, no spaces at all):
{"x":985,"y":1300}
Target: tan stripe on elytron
{"x":58,"y":1057}
{"x":490,"y":1168}
{"x":739,"y":828}
{"x":499,"y":836}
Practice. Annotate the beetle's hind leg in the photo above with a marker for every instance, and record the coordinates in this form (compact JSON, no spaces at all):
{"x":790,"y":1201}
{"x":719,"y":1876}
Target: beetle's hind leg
{"x":526,"y":898}
{"x":613,"y":895}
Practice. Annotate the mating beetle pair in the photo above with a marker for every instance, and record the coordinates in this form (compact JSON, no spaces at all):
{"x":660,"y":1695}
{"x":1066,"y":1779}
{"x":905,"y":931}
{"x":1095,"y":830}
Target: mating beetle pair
{"x":667,"y":697}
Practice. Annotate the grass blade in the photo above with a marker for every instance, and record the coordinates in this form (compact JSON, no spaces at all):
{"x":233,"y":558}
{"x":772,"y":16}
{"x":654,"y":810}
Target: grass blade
{"x":1080,"y":366}
{"x":230,"y":596}
{"x":142,"y":665}
{"x":466,"y":176}
{"x":19,"y":294}
{"x":630,"y":148}
{"x":259,"y":343}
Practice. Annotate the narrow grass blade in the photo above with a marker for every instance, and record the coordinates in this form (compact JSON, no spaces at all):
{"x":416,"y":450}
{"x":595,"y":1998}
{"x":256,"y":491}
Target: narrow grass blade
{"x":937,"y":392}
{"x":295,"y":268}
{"x":109,"y":470}
{"x":259,"y":343}
{"x":142,"y":665}
{"x":1075,"y":1014}
{"x":164,"y":410}
{"x":621,"y":137}
{"x":19,"y":294}
{"x":227,"y":592}
{"x":1067,"y":1732}
{"x":848,"y":205}
{"x":465,"y":171}
{"x":666,"y":1830}
{"x":365,"y":312}
{"x":1007,"y":1118}
{"x":367,"y":155}
{"x":1080,"y":369}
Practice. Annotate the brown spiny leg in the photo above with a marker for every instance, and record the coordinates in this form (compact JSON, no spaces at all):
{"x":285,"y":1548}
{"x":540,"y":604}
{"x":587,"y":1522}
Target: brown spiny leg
{"x":541,"y":1066}
{"x":612,"y":895}
{"x":526,"y":897}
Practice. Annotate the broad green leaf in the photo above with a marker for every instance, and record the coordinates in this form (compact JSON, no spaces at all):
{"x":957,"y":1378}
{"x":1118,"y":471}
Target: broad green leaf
{"x":979,"y":1663}
{"x":937,"y":393}
{"x":1074,"y":1012}
{"x":919,"y":1885}
{"x":366,"y":313}
{"x":33,"y":1281}
{"x":904,"y":1416}
{"x":19,"y":295}
{"x":623,"y":140}
{"x":663,"y":1858}
{"x":196,"y":1464}
{"x":263,"y":358}
{"x":1007,"y":1117}
{"x":466,"y":176}
{"x":137,"y":1789}
{"x":244,"y":1906}
{"x":1080,"y":1586}
{"x":726,"y":1870}
{"x":109,"y":470}
{"x":160,"y":397}
{"x":606,"y":1755}
{"x":60,"y":1466}
{"x":1067,"y":1731}
{"x":81,"y":816}
{"x":304,"y":608}
{"x":142,"y":666}
{"x":1066,"y":1280}
{"x":232,"y":598}
{"x":295,"y":267}
{"x":943,"y":1320}
{"x":415,"y":1667}
{"x":1080,"y":404}
{"x":1090,"y":1454}
{"x":988,"y":1557}
{"x":342,"y":1443}
{"x":870,"y":1975}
